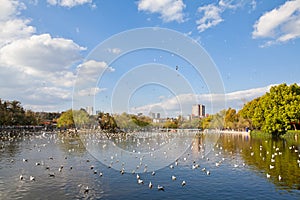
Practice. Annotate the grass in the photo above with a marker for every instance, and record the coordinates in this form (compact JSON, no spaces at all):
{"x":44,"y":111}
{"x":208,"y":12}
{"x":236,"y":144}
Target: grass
{"x":291,"y":134}
{"x":260,"y":134}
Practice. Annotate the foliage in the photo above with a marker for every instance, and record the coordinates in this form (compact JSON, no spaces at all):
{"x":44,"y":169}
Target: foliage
{"x":275,"y":112}
{"x":81,"y":118}
{"x":66,"y":120}
{"x":260,"y":134}
{"x":141,"y":121}
{"x":214,"y":121}
{"x":231,"y":118}
{"x":107,"y":122}
{"x":12,"y":113}
{"x":171,"y":123}
{"x":193,"y":123}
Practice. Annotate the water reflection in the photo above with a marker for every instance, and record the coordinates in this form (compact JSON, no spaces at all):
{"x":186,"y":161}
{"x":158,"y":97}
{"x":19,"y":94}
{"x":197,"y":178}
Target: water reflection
{"x":238,"y":167}
{"x":275,"y":157}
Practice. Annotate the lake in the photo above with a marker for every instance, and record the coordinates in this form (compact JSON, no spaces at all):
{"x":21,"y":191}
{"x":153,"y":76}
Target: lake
{"x":97,"y":166}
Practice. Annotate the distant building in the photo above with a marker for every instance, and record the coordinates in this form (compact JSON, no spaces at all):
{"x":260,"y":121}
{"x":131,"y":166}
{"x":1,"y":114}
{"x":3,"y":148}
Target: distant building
{"x":198,"y":110}
{"x":157,"y":115}
{"x":154,"y":115}
{"x":89,"y":110}
{"x":188,"y":117}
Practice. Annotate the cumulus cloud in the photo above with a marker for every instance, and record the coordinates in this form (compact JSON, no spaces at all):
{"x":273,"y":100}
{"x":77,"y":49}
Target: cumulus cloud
{"x":10,"y":8}
{"x":169,"y":10}
{"x":88,"y":75}
{"x":36,"y":69}
{"x":212,"y":13}
{"x":211,"y":17}
{"x":12,"y":27}
{"x":281,"y":24}
{"x":40,"y":53}
{"x":91,"y":67}
{"x":69,"y":3}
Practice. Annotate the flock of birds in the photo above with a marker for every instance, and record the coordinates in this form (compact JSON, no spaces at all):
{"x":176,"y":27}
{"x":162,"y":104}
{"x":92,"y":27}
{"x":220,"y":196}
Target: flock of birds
{"x":215,"y":157}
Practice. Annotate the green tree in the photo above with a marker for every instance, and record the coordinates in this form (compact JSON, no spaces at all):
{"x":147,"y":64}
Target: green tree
{"x":171,"y":123}
{"x":275,"y":112}
{"x":231,"y":119}
{"x":81,"y":118}
{"x":141,"y":121}
{"x":66,"y":120}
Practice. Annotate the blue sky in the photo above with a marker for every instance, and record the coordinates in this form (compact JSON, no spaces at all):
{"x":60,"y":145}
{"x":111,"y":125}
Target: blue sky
{"x":44,"y":44}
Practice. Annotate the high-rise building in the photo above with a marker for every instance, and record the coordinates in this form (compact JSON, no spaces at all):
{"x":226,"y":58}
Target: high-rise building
{"x":154,"y":115}
{"x":89,"y":110}
{"x":198,"y":110}
{"x":157,"y":115}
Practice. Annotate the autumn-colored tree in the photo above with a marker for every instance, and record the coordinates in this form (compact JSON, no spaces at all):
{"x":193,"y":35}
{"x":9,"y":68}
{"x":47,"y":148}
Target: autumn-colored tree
{"x":66,"y":120}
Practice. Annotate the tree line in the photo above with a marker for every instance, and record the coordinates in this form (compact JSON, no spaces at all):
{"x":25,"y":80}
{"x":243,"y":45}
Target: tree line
{"x":275,"y":112}
{"x":12,"y":113}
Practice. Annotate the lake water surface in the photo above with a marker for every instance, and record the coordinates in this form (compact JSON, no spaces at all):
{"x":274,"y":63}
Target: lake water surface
{"x":239,"y":167}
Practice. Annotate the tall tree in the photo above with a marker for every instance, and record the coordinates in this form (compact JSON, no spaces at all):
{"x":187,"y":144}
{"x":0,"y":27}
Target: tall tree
{"x":275,"y":112}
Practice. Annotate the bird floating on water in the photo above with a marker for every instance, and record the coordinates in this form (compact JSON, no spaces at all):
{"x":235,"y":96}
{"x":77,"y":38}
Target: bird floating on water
{"x":173,"y":178}
{"x":140,"y":181}
{"x":21,"y":177}
{"x":86,"y":190}
{"x":150,"y":185}
{"x":183,"y":183}
{"x":159,"y":187}
{"x":32,"y":178}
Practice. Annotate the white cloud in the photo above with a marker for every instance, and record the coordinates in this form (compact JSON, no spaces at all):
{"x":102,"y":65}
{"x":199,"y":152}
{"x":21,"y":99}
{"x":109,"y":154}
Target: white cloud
{"x":169,"y":10}
{"x":40,"y":53}
{"x":185,"y":101}
{"x":34,"y":69}
{"x":114,"y":50}
{"x":88,"y":73}
{"x":12,"y":27}
{"x":281,"y":24}
{"x":211,"y":17}
{"x":32,"y":91}
{"x":10,"y":8}
{"x":90,"y":91}
{"x":91,"y":67}
{"x":212,"y":13}
{"x":69,"y":3}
